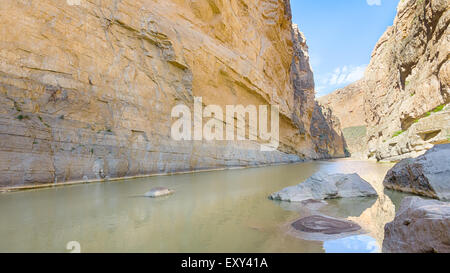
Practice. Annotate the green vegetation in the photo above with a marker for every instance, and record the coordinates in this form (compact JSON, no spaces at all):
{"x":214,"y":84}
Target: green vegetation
{"x":435,"y":110}
{"x":355,"y":132}
{"x":396,"y":134}
{"x":439,"y":108}
{"x":16,"y":105}
{"x":22,"y":117}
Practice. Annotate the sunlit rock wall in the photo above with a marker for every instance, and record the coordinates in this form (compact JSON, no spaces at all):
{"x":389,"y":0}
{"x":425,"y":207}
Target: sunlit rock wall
{"x":347,"y":105}
{"x":408,"y":80}
{"x":404,"y":95}
{"x":87,"y":87}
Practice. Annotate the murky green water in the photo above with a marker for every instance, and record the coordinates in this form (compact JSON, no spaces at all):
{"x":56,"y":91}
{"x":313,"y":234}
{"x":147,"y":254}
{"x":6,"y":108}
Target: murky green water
{"x":226,"y":211}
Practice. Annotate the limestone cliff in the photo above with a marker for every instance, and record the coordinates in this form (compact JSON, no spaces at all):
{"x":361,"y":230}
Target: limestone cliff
{"x":87,"y":87}
{"x":406,"y":85}
{"x":318,"y":124}
{"x":347,"y":104}
{"x":408,"y":81}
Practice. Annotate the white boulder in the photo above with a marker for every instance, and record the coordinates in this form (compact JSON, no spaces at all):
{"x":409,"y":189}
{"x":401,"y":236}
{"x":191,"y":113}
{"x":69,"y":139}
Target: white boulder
{"x":323,"y":186}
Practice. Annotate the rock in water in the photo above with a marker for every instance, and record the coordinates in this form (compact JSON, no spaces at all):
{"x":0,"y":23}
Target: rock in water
{"x":420,"y":226}
{"x":159,"y":192}
{"x":323,"y":186}
{"x":427,"y":175}
{"x":325,"y":225}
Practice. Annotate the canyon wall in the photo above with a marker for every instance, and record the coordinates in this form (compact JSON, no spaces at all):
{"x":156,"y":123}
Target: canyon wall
{"x":406,"y":85}
{"x":347,"y":104}
{"x":319,"y":125}
{"x":87,"y":87}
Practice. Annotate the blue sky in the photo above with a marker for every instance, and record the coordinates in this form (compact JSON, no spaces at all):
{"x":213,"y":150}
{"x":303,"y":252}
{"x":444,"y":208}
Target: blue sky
{"x":341,"y":35}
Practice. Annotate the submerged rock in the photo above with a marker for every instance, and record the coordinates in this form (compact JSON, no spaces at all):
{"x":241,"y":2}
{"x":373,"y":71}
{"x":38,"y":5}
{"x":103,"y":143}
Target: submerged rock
{"x":325,"y":225}
{"x":420,"y":226}
{"x":427,"y":175}
{"x":159,"y":192}
{"x":323,"y":228}
{"x":323,"y":186}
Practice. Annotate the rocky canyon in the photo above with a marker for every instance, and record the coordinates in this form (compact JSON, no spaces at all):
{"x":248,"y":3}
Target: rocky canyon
{"x":87,"y":87}
{"x":400,"y":108}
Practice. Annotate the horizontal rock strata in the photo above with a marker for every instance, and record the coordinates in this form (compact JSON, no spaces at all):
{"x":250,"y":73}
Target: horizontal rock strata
{"x":405,"y":93}
{"x":87,"y":87}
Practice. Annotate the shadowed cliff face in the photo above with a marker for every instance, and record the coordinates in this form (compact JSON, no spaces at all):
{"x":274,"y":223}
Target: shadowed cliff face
{"x":347,"y":104}
{"x":87,"y":87}
{"x":315,"y":123}
{"x":405,"y":89}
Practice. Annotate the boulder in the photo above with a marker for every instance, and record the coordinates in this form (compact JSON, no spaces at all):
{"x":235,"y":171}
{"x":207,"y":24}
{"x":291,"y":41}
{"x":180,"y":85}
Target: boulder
{"x":159,"y":192}
{"x":420,"y":226}
{"x":323,"y":186}
{"x":427,"y":175}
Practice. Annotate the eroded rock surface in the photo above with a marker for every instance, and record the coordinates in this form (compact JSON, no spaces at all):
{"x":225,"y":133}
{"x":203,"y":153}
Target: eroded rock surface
{"x":409,"y":75}
{"x":347,"y":104}
{"x":420,"y":226}
{"x":427,"y":175}
{"x":406,"y":87}
{"x":323,"y":186}
{"x":87,"y":87}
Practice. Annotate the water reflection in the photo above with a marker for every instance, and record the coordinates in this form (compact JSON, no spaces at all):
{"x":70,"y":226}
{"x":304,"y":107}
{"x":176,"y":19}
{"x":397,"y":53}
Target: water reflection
{"x":353,"y":244}
{"x":225,"y":211}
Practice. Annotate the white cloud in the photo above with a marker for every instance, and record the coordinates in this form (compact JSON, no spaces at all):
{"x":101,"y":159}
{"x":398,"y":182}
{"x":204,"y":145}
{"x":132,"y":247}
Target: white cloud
{"x":373,"y":2}
{"x":339,"y":77}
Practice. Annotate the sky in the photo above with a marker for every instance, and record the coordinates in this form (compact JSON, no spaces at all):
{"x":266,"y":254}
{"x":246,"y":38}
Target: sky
{"x":341,"y":35}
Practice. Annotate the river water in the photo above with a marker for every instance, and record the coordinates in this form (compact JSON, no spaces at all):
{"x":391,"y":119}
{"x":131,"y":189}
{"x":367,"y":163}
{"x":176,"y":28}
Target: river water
{"x":223,"y":211}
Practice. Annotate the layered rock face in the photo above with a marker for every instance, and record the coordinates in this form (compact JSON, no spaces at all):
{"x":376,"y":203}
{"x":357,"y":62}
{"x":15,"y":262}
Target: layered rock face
{"x":347,"y":104}
{"x":316,"y":123}
{"x":87,"y":87}
{"x":409,"y":76}
{"x":405,"y":91}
